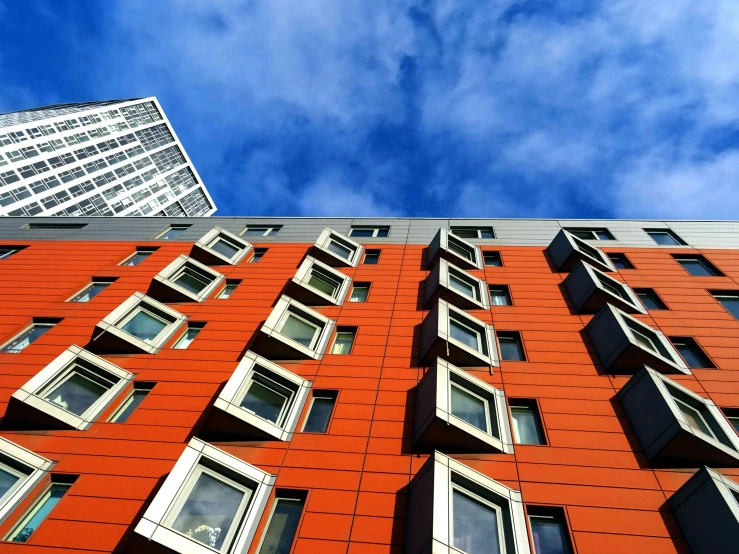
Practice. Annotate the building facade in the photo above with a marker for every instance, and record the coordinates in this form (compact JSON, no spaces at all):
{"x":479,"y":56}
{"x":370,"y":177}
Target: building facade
{"x":362,"y":386}
{"x":108,"y":158}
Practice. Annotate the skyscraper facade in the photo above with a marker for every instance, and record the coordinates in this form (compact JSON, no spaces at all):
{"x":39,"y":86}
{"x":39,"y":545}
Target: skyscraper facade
{"x":111,"y":158}
{"x":367,"y":386}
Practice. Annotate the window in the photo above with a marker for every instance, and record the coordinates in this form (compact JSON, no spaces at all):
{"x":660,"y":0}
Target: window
{"x":316,"y":283}
{"x":675,"y":426}
{"x":458,"y":412}
{"x":258,"y":254}
{"x":453,"y":335}
{"x":20,"y":471}
{"x":527,"y":427}
{"x":590,"y":289}
{"x":72,"y":390}
{"x":620,"y":261}
{"x":8,"y":251}
{"x":261,"y":400}
{"x":371,"y":257}
{"x":474,"y":514}
{"x":492,"y":259}
{"x":219,"y":246}
{"x":566,"y":250}
{"x":693,"y":355}
{"x":137,"y":257}
{"x":500,"y":295}
{"x":623,"y":344}
{"x":663,"y":237}
{"x":732,"y":415}
{"x":60,"y":484}
{"x":650,"y":299}
{"x":360,"y":291}
{"x":98,"y":285}
{"x":140,"y":324}
{"x":344,"y":340}
{"x":261,"y":231}
{"x":228,"y":290}
{"x":456,"y":286}
{"x":38,"y":328}
{"x":172,"y":232}
{"x":697,"y":265}
{"x":124,"y":411}
{"x":335,"y":249}
{"x":319,"y":413}
{"x":586,"y":233}
{"x":549,"y":532}
{"x":454,"y":249}
{"x":294,"y":331}
{"x":184,"y":280}
{"x":210,"y":499}
{"x":729,"y":300}
{"x":57,"y":226}
{"x":473,"y":232}
{"x":193,"y":328}
{"x":283,"y":523}
{"x":369,"y":232}
{"x":511,"y":347}
{"x":459,"y":282}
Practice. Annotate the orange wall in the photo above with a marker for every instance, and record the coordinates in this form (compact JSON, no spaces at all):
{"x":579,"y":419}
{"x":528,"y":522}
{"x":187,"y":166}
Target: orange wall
{"x":356,"y":474}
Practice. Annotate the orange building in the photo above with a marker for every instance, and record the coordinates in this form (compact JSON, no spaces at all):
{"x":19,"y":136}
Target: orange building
{"x":368,"y":386}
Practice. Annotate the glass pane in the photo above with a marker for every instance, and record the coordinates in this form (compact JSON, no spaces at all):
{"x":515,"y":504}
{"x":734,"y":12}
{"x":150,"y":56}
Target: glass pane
{"x":492,"y":258}
{"x":613,"y":287}
{"x":643,"y":339}
{"x":282,"y":527}
{"x":319,"y":416}
{"x":39,"y":512}
{"x":603,"y":235}
{"x":76,"y":394}
{"x":27,"y":338}
{"x":192,"y":282}
{"x":585,"y":235}
{"x":650,"y":302}
{"x":459,"y":249}
{"x":510,"y":349}
{"x":459,"y":285}
{"x":731,"y":303}
{"x":475,"y":525}
{"x":225,"y":248}
{"x":733,"y":420}
{"x":619,"y":262}
{"x":7,"y":480}
{"x":465,"y":233}
{"x":343,"y":343}
{"x":299,"y":330}
{"x":256,"y":232}
{"x":549,"y":536}
{"x":690,"y":355}
{"x":697,"y":268}
{"x":694,"y":418}
{"x":172,"y":234}
{"x":228,"y":290}
{"x":209,"y":511}
{"x":187,"y":338}
{"x":525,"y":425}
{"x":469,"y":408}
{"x":137,"y":258}
{"x":362,"y":232}
{"x":144,"y":326}
{"x":499,"y":297}
{"x":463,"y":335}
{"x":371,"y":258}
{"x":339,"y":249}
{"x":322,"y":284}
{"x":382,"y":232}
{"x":133,"y":401}
{"x":359,"y":294}
{"x":264,"y":402}
{"x":663,"y":238}
{"x":487,"y":234}
{"x":90,"y":292}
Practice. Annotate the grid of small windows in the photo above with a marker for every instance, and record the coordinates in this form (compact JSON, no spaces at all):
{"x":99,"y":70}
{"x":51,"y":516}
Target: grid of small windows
{"x":182,"y":180}
{"x":196,"y":203}
{"x":154,"y":137}
{"x":13,"y":196}
{"x":29,"y":209}
{"x":141,"y":114}
{"x":93,"y":206}
{"x":172,"y":210}
{"x":167,"y":159}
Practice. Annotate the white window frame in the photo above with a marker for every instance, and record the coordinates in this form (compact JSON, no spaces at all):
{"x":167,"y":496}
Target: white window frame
{"x":30,"y":395}
{"x":477,"y":228}
{"x":439,"y":285}
{"x":312,"y":295}
{"x":585,"y":281}
{"x":321,"y":249}
{"x":609,"y":313}
{"x":111,"y":325}
{"x":267,"y":230}
{"x":593,"y":232}
{"x":485,"y":502}
{"x":677,"y":423}
{"x":566,"y":249}
{"x":460,"y":323}
{"x":154,"y":524}
{"x":13,"y":456}
{"x":250,"y":425}
{"x":169,"y":275}
{"x":440,"y":248}
{"x":375,"y":230}
{"x":203,"y":252}
{"x":432,"y":529}
{"x":23,"y":332}
{"x":669,"y":232}
{"x":353,"y":333}
{"x":433,"y":412}
{"x":271,"y":331}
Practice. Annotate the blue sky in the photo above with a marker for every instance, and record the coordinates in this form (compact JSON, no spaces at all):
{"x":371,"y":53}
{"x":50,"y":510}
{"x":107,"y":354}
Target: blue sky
{"x":502,"y":108}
